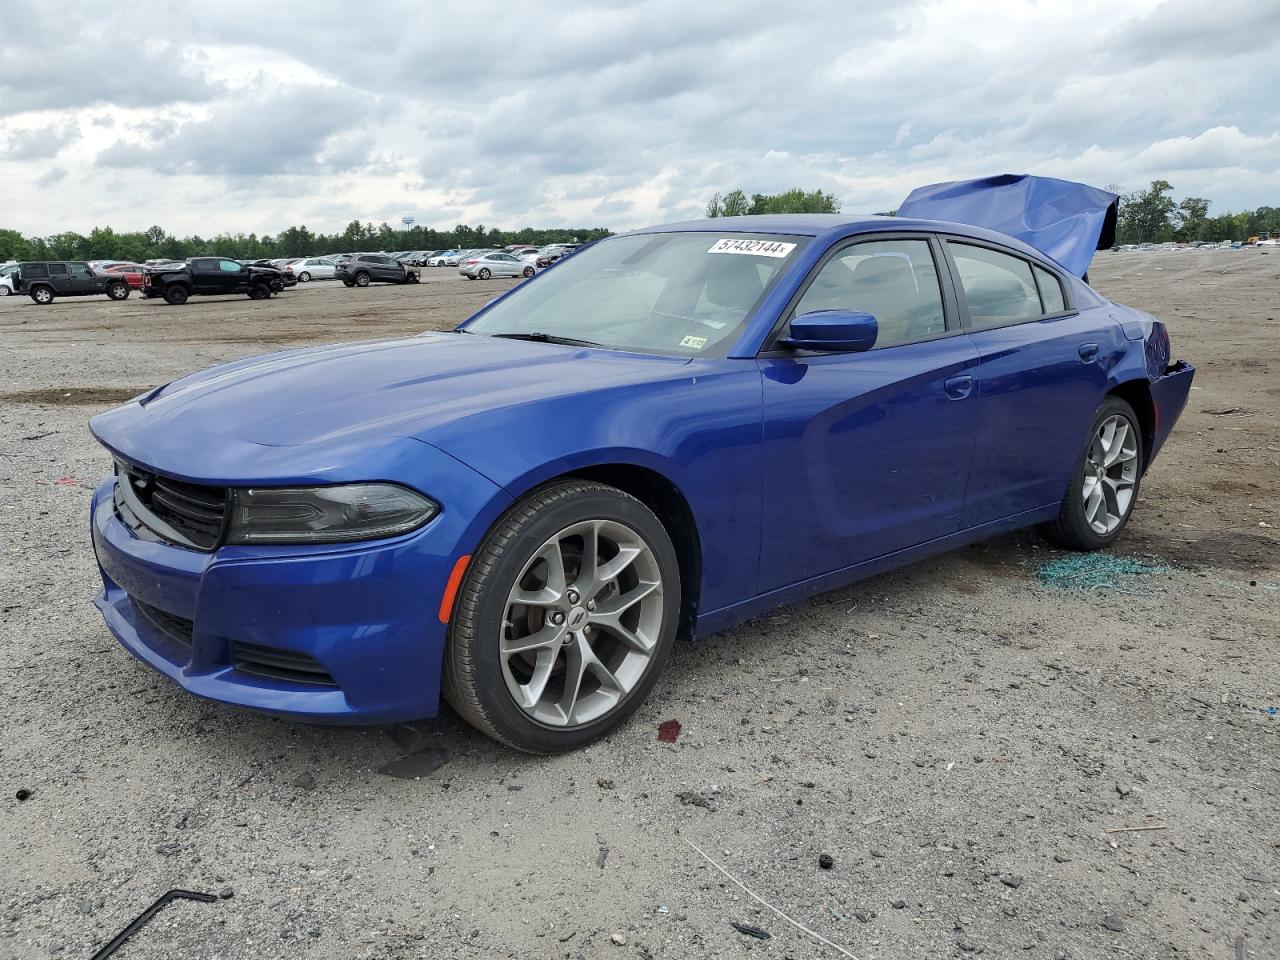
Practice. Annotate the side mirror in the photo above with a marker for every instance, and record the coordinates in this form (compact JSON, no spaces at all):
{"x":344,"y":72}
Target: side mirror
{"x":838,"y":331}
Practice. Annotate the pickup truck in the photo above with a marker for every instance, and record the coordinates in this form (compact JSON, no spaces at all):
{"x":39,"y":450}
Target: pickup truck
{"x":208,"y":276}
{"x":44,"y":280}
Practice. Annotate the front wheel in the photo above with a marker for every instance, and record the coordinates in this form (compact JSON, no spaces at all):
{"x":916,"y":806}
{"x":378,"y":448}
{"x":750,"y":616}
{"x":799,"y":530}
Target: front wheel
{"x":4,"y":290}
{"x":1104,"y":484}
{"x":42,"y":295}
{"x":528,"y":272}
{"x":484,"y":273}
{"x":118,"y":291}
{"x":565,"y":619}
{"x":362,"y":279}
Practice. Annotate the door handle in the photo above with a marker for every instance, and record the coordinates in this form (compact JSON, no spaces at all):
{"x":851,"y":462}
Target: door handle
{"x":1088,"y":352}
{"x":957,"y":388}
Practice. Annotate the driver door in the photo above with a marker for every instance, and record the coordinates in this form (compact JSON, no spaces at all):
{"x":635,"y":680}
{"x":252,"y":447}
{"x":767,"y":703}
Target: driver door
{"x":869,"y":452}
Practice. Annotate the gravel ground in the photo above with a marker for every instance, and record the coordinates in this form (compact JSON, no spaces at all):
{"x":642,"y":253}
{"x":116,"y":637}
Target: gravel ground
{"x":959,"y":736}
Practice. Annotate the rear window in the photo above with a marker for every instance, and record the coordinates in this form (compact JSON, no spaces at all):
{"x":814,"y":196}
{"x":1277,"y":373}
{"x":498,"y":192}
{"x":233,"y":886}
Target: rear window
{"x":35,"y":270}
{"x":1050,"y":291}
{"x":999,"y":288}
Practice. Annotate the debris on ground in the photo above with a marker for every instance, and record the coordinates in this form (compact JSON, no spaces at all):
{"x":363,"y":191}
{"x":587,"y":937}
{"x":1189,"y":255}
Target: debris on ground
{"x":750,"y":931}
{"x":668,"y":731}
{"x":1095,"y":571}
{"x":826,"y":861}
{"x":601,"y":857}
{"x":692,"y":798}
{"x":140,"y":921}
{"x":416,"y":765}
{"x":23,"y":793}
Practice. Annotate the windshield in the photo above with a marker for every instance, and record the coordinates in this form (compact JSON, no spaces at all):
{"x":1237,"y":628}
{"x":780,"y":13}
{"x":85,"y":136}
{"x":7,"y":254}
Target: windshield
{"x":680,"y":294}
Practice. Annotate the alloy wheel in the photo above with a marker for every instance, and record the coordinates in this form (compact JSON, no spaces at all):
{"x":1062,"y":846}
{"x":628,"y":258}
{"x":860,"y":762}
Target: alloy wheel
{"x":1110,"y":474}
{"x":582,"y":623}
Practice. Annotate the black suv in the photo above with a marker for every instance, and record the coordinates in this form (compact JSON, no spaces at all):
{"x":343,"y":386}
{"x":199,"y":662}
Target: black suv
{"x":43,"y":280}
{"x":366,"y":268}
{"x":208,"y":276}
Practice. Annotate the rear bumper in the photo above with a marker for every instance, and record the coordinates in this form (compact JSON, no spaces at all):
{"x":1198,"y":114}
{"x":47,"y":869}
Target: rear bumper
{"x":1169,"y":394}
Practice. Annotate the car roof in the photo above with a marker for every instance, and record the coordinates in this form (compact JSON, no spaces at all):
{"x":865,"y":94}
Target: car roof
{"x":839,"y":224}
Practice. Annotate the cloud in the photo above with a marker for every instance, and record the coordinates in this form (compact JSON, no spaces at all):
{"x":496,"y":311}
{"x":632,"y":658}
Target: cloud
{"x":39,"y":143}
{"x":588,"y":112}
{"x":54,"y":175}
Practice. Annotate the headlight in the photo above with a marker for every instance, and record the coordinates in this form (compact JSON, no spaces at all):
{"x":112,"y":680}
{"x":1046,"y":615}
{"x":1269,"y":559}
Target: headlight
{"x":339,"y":514}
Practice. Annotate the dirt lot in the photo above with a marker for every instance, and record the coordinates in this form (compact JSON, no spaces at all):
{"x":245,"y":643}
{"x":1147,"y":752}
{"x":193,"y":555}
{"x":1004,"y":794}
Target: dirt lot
{"x":959,"y":736}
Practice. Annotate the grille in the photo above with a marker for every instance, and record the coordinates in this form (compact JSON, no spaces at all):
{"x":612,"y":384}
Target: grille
{"x":278,"y":664}
{"x":185,"y":514}
{"x":176,"y":628}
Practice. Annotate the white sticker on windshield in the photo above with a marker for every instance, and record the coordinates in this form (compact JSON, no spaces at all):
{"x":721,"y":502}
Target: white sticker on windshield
{"x":755,"y":248}
{"x":697,"y":343}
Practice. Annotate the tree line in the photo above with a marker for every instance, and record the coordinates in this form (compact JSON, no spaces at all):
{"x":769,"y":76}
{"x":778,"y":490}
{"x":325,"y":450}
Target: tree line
{"x":737,"y":204}
{"x":104,"y":243}
{"x":1153,"y":216}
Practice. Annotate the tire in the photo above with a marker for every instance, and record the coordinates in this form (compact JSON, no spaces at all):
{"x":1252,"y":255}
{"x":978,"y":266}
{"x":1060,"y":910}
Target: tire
{"x":348,"y":283}
{"x":467,"y":276}
{"x":176,"y":295}
{"x":42,"y":295}
{"x":482,"y":683}
{"x":259,"y":291}
{"x":304,"y":277}
{"x":527,"y":272}
{"x":1078,"y":525}
{"x":362,"y":279}
{"x":484,"y":273}
{"x":4,"y":290}
{"x":118,"y":291}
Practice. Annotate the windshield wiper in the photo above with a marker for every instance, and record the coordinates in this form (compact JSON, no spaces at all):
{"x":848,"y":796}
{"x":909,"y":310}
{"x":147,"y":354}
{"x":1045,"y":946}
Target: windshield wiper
{"x":538,"y":337}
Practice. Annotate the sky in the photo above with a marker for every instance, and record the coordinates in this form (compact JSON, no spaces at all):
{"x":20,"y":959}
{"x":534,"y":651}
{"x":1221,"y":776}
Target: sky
{"x":252,"y":118}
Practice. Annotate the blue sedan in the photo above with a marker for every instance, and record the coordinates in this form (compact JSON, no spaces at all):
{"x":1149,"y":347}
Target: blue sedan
{"x":670,"y":432}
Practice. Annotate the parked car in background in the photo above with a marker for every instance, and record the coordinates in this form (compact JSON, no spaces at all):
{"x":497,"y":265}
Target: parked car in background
{"x":208,"y":277}
{"x":284,"y":274}
{"x":132,"y":272}
{"x":445,"y":258}
{"x":496,"y":264}
{"x":313,"y":268}
{"x":6,"y":278}
{"x":45,"y":280}
{"x":367,"y":268}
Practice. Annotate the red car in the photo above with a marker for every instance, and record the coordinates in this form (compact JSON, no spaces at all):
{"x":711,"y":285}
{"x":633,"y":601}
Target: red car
{"x":132,"y":273}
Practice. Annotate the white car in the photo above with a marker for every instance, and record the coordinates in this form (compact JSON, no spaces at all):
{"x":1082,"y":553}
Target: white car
{"x":496,"y":264}
{"x":313,"y":268}
{"x":7,"y":271}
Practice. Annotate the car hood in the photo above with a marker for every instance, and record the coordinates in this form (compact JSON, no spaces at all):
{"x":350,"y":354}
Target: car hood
{"x":1064,"y":220}
{"x":338,"y":401}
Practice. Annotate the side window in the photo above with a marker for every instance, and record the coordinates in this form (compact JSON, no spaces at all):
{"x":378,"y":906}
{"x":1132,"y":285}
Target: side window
{"x":35,"y":270}
{"x":893,"y":280}
{"x":999,"y":288}
{"x":1050,"y":291}
{"x":229,"y":266}
{"x":203,"y":265}
{"x":79,"y":270}
{"x":57,"y":269}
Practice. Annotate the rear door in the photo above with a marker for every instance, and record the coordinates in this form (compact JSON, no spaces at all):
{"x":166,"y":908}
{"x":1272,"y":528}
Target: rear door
{"x":1041,"y":374}
{"x":869,"y":452}
{"x":60,"y":278}
{"x":205,"y":275}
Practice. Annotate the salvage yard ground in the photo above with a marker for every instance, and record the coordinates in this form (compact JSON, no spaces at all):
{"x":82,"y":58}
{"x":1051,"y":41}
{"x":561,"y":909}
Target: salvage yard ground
{"x":975,"y":740}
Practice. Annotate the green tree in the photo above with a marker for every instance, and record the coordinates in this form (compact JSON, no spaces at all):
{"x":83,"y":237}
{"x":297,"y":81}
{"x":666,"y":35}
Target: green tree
{"x":1191,"y":216}
{"x":1145,"y":215}
{"x":715,"y":206}
{"x":735,"y":204}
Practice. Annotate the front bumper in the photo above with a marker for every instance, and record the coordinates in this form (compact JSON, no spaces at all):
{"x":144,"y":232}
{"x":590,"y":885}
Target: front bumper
{"x":364,"y":616}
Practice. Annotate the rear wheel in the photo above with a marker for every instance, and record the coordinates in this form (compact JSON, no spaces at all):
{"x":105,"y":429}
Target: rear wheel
{"x":259,"y":291}
{"x":484,"y":273}
{"x":118,"y":291}
{"x":362,"y":279}
{"x":1104,"y":484}
{"x":565,"y":619}
{"x":528,"y":271}
{"x":42,"y":295}
{"x":4,"y":290}
{"x":176,"y":295}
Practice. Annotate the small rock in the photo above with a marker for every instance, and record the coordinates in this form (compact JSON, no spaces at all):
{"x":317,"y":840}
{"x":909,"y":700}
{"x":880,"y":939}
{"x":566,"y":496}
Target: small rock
{"x":1114,"y":923}
{"x":1123,"y":789}
{"x":878,"y":854}
{"x":898,"y":904}
{"x":1061,"y":858}
{"x":168,"y":849}
{"x":226,"y":893}
{"x":1013,"y":882}
{"x":305,"y":781}
{"x":826,"y":861}
{"x":23,"y":794}
{"x":863,"y":916}
{"x":968,"y":946}
{"x":619,"y":939}
{"x":604,"y":784}
{"x":692,"y":798}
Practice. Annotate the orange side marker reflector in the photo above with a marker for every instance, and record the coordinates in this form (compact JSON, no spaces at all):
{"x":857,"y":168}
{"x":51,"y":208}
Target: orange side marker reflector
{"x":451,"y":587}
